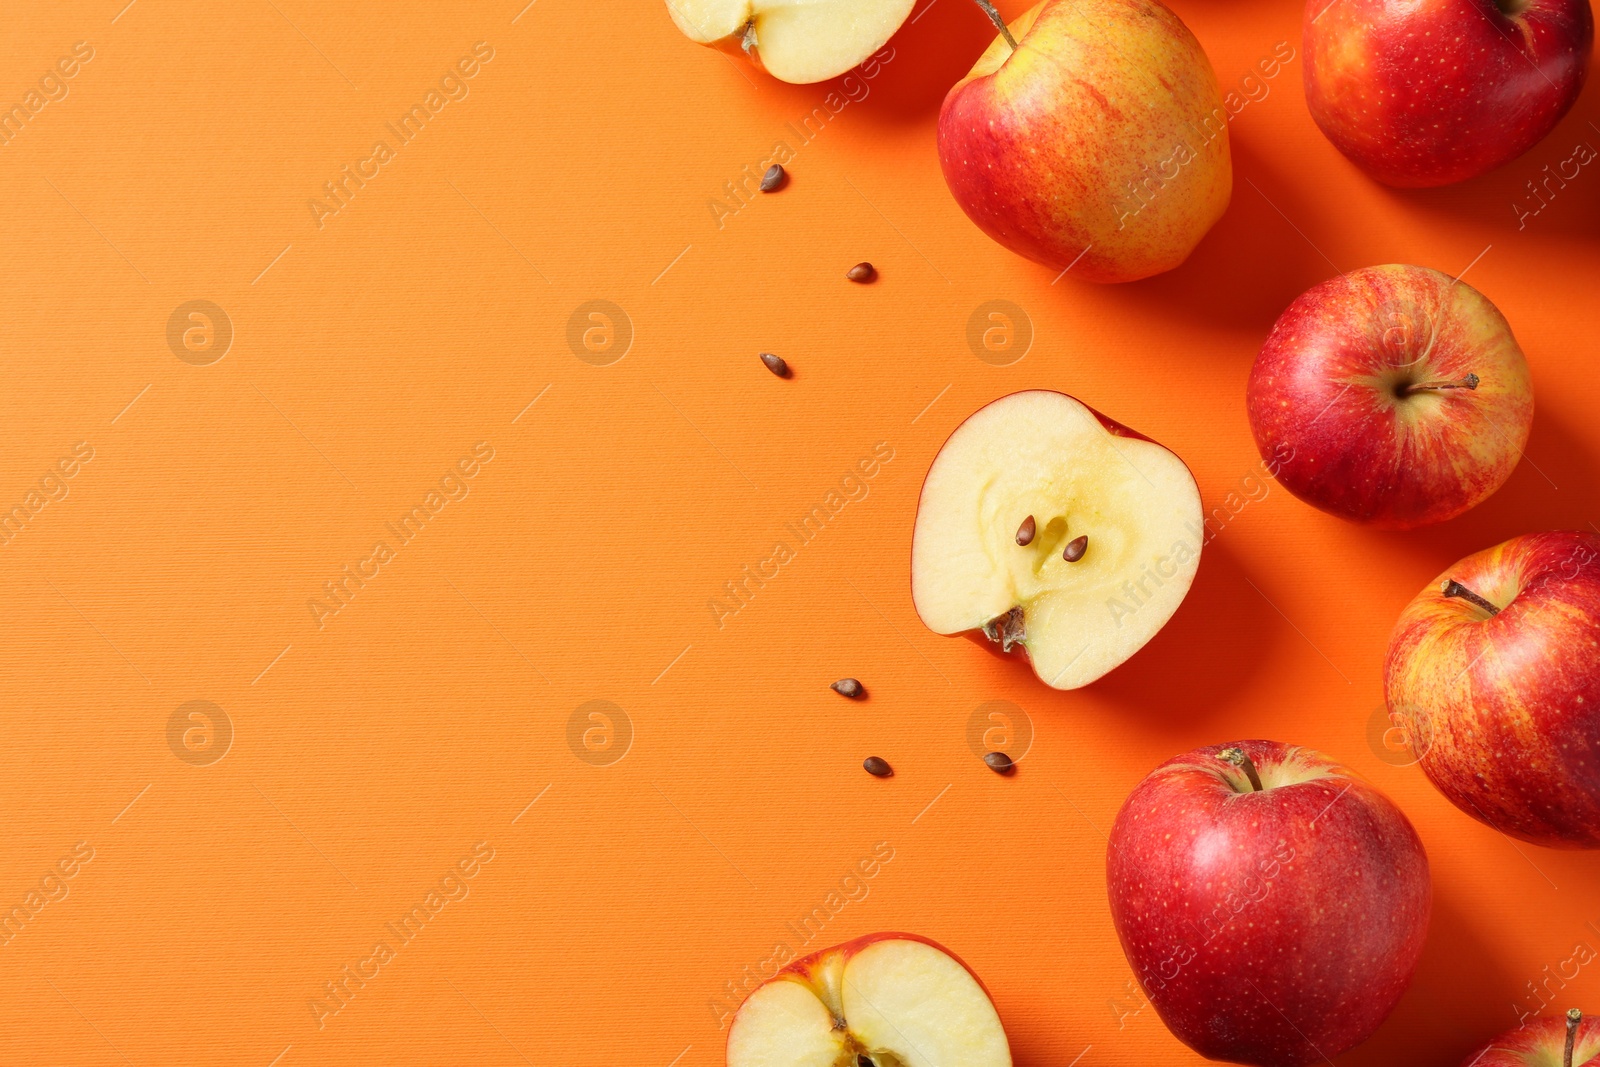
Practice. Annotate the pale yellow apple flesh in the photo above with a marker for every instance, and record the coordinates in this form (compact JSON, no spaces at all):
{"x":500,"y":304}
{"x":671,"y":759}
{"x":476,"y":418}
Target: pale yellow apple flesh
{"x":794,"y":40}
{"x":1047,"y":455}
{"x":900,"y":1003}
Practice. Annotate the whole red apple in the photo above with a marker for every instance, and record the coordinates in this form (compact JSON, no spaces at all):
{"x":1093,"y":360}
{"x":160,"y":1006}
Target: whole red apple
{"x":884,"y":1000}
{"x":1096,"y":142}
{"x":1547,"y":1041}
{"x":1272,"y":904}
{"x":1391,"y":395}
{"x":1438,"y":91}
{"x":1494,"y":670}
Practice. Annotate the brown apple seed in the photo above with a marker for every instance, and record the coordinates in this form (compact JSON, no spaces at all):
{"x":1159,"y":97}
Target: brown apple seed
{"x":999,"y":762}
{"x":1025,"y":531}
{"x":878,"y":768}
{"x":849,"y":687}
{"x":773,"y":178}
{"x":775,"y":364}
{"x":1075,"y":548}
{"x":862,"y":272}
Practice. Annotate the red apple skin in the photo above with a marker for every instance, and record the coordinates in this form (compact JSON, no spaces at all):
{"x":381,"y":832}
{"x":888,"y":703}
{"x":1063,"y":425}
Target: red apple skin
{"x":1101,"y":144}
{"x":1277,"y":927}
{"x":1323,"y":392}
{"x":1538,"y":1042}
{"x":1437,"y":91}
{"x":1506,"y":709}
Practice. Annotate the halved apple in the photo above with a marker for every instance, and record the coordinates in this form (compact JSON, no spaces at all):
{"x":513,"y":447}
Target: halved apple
{"x":884,"y":1000}
{"x":1000,"y":550}
{"x":794,"y":40}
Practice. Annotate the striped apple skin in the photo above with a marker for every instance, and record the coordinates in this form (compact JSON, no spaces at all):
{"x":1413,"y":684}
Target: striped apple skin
{"x":1539,"y":1042}
{"x":1324,"y":403}
{"x":1275,"y":927}
{"x":1505,"y":710}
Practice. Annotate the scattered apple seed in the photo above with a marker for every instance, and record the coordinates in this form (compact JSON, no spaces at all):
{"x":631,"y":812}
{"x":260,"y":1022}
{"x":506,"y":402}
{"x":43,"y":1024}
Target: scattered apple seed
{"x":862,"y":272}
{"x":849,"y":687}
{"x":878,"y":768}
{"x":1076,"y":548}
{"x":775,"y":364}
{"x":773,"y":178}
{"x":999,"y":762}
{"x":1025,"y":531}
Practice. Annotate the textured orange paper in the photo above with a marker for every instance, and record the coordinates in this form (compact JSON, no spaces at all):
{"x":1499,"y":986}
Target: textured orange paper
{"x":520,"y":356}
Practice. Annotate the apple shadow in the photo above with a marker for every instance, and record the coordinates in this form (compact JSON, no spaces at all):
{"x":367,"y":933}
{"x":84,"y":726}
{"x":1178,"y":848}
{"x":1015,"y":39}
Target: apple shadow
{"x":931,"y":54}
{"x":1248,"y":268}
{"x":1565,"y":204}
{"x":1554,"y":487}
{"x":1214,"y":643}
{"x":1460,"y":998}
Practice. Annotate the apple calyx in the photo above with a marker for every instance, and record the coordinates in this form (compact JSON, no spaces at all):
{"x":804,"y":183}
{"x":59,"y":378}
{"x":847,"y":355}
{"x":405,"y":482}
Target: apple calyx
{"x":1469,"y":382}
{"x":1007,"y":630}
{"x":999,"y":22}
{"x":1238,"y":758}
{"x":1453,"y":588}
{"x":1574,"y":1017}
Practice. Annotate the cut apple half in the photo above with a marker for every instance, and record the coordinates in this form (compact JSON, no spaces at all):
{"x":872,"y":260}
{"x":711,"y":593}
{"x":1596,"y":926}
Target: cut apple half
{"x":1046,"y":527}
{"x":885,"y":1000}
{"x":797,"y":41}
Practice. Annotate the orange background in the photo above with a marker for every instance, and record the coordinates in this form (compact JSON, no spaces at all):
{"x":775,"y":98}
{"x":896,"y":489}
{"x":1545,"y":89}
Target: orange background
{"x":371,"y":754}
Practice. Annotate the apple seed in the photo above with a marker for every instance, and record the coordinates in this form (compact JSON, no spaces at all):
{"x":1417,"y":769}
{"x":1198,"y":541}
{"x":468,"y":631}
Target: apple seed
{"x":849,"y":687}
{"x":999,"y":762}
{"x":773,"y":178}
{"x":1025,"y":531}
{"x":775,"y":364}
{"x":862,"y":272}
{"x":878,"y":768}
{"x":1076,"y":548}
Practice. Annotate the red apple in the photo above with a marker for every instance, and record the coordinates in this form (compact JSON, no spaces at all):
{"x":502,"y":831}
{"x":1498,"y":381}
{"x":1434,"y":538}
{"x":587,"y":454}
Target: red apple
{"x":1547,"y":1041}
{"x":1438,"y":91}
{"x":1097,"y":142}
{"x":1049,"y":529}
{"x":884,"y":1000}
{"x":1272,"y":904}
{"x":1392,"y":396}
{"x":1495,"y":669}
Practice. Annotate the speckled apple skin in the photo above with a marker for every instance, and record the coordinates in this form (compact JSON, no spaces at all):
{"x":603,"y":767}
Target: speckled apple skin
{"x":1276,"y":927}
{"x":1538,"y":1043}
{"x":1506,"y":710}
{"x":1429,"y":92}
{"x":1040,"y":147}
{"x":1326,"y":420}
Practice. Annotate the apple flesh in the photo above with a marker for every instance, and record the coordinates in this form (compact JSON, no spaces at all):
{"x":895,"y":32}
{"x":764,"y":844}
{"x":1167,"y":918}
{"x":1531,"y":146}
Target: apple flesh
{"x":793,"y":40}
{"x":1543,"y":1042}
{"x":1502,"y":702}
{"x":1391,"y":395}
{"x":1422,"y":94}
{"x":1100,"y":143}
{"x":1077,"y":474}
{"x":1272,"y":904}
{"x":885,"y":1000}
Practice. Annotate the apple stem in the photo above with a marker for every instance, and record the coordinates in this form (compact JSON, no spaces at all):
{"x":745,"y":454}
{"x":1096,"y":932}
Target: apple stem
{"x":1469,"y":382}
{"x":1451,"y":587}
{"x":1238,"y":758}
{"x":1000,"y":23}
{"x":1574,"y":1017}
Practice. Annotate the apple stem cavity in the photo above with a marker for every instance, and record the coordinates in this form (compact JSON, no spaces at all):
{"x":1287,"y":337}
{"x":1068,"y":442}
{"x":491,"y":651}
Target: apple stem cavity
{"x":1025,"y":531}
{"x":1453,"y":588}
{"x":1238,"y":758}
{"x":1469,"y":382}
{"x":1000,"y":23}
